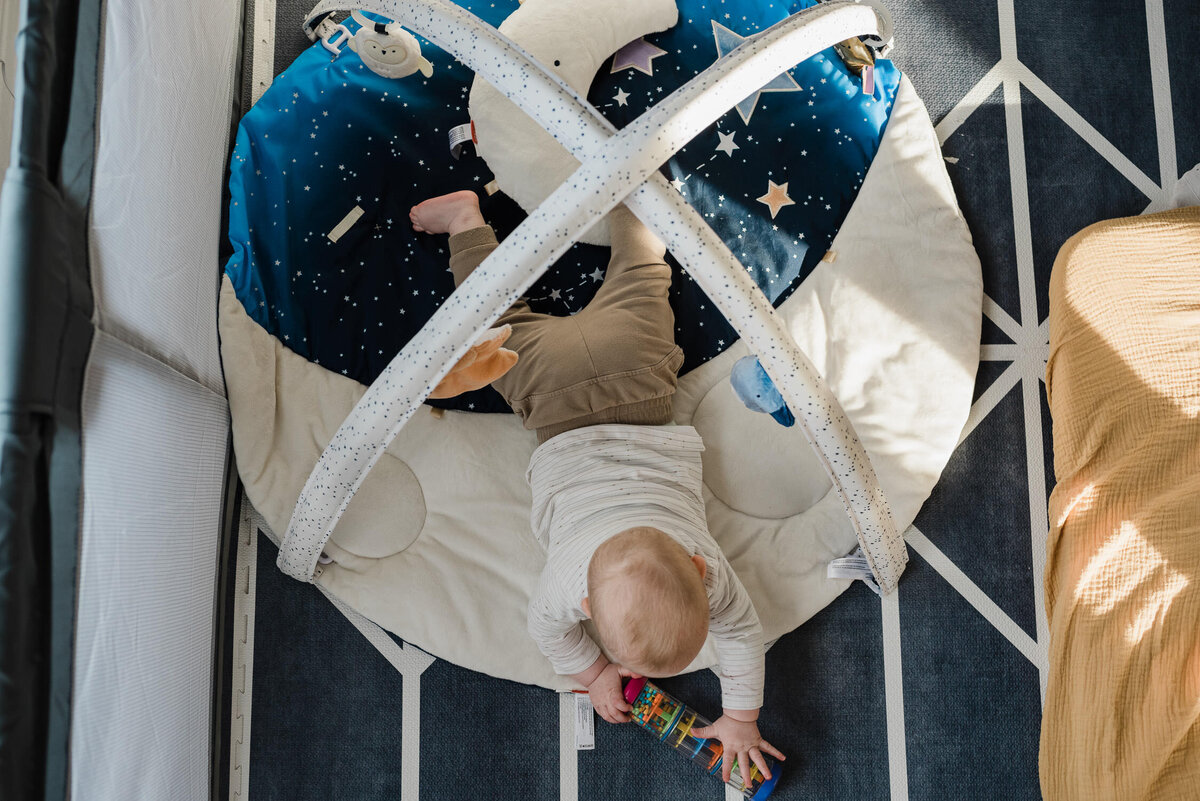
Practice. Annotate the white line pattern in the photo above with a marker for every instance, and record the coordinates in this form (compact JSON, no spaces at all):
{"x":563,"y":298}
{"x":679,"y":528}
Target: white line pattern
{"x":1031,"y":349}
{"x":568,"y":756}
{"x":893,"y":683}
{"x":975,"y":596}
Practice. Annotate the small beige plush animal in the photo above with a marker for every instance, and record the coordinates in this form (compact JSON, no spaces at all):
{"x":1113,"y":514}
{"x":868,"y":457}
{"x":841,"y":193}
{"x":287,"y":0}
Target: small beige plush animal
{"x":481,"y":365}
{"x":388,"y":50}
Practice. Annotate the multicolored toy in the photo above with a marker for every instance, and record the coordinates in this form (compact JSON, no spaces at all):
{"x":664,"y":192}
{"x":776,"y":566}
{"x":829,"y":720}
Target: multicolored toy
{"x":671,"y":721}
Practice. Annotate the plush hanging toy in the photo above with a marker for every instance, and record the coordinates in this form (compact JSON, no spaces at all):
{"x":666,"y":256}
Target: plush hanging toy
{"x":754,"y":388}
{"x":388,"y":50}
{"x":481,"y":365}
{"x":574,"y":38}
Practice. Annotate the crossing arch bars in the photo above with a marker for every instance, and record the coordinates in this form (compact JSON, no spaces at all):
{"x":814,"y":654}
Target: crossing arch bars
{"x":614,"y":165}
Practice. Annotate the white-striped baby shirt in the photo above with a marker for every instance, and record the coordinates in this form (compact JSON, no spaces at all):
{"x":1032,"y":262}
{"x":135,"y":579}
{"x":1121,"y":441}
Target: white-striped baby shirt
{"x":592,"y":483}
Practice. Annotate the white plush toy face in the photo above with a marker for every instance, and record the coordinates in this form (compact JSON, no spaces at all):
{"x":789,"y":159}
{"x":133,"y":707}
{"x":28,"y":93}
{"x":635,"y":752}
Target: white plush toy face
{"x":392,"y":52}
{"x":574,"y":38}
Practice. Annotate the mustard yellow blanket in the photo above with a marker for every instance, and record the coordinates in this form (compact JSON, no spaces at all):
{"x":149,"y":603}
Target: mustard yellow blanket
{"x":1122,"y":712}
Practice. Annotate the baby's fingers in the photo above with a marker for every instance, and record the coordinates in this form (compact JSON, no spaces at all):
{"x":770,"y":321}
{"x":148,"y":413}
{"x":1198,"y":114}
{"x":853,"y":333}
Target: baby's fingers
{"x":727,"y":766}
{"x":757,"y":756}
{"x":605,"y":707}
{"x":772,"y":750}
{"x":615,"y":716}
{"x":620,"y":715}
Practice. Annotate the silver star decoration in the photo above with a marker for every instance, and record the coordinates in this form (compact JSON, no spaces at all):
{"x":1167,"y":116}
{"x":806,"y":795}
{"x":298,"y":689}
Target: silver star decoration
{"x":727,"y":145}
{"x":727,"y":40}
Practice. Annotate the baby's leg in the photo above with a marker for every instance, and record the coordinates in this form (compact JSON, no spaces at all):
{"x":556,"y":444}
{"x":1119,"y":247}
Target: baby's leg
{"x":637,"y":281}
{"x":471,"y":241}
{"x":447,"y":214}
{"x":457,"y":214}
{"x":632,"y":243}
{"x":622,"y":344}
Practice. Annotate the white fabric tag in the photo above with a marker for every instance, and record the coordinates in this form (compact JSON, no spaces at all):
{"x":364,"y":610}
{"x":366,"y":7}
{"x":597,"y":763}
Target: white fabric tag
{"x":459,"y":136}
{"x":585,"y":723}
{"x":854,"y":566}
{"x":347,"y":222}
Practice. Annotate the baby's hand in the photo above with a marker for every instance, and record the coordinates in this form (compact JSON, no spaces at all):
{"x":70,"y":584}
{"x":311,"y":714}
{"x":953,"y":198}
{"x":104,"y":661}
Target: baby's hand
{"x":740,"y":738}
{"x":607,"y":696}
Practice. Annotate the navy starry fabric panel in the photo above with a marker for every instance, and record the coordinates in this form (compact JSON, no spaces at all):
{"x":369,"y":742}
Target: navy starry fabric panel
{"x":775,"y":177}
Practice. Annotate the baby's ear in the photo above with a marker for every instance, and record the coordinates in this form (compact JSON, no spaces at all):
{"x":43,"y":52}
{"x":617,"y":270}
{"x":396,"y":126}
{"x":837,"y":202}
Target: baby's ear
{"x":587,"y":607}
{"x":701,"y":565}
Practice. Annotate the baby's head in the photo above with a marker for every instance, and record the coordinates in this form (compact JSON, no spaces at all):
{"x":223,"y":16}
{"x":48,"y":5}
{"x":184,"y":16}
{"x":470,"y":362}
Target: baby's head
{"x":646,"y":596}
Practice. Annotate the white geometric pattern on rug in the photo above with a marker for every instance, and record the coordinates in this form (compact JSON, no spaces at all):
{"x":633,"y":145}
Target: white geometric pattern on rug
{"x":1029,"y":350}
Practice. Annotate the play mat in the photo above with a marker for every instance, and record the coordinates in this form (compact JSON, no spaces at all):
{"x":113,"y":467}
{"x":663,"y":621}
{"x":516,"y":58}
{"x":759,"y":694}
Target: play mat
{"x":829,"y":189}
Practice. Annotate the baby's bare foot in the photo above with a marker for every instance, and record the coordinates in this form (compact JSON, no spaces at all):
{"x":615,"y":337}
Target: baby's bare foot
{"x":447,"y":214}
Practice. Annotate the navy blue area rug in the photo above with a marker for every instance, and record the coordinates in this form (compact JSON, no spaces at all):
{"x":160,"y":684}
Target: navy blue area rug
{"x":1052,"y":115}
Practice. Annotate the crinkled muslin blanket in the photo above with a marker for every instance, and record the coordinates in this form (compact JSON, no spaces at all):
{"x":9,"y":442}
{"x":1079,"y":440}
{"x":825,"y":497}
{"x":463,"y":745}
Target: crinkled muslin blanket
{"x":1122,"y":711}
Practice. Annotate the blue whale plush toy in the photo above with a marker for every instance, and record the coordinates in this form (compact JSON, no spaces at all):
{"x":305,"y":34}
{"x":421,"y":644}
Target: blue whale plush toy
{"x":754,"y":388}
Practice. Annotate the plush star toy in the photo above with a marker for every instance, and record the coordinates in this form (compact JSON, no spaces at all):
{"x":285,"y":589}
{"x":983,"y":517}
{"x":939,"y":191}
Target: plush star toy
{"x":754,"y":388}
{"x":483,"y":363}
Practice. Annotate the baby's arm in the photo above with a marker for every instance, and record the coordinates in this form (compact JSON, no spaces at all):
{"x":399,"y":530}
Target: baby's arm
{"x":605,"y":689}
{"x":738,"y":637}
{"x":560,"y":635}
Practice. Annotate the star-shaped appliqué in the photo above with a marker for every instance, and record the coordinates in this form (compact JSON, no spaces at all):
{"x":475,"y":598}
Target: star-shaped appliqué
{"x":638,"y":54}
{"x":727,"y":145}
{"x":727,"y":40}
{"x":776,"y":197}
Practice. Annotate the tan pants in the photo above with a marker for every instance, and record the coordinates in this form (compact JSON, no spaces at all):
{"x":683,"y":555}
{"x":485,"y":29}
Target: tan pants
{"x":615,"y":361}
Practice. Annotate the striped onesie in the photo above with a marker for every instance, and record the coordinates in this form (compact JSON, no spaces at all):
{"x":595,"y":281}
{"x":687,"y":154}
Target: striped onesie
{"x":592,"y":483}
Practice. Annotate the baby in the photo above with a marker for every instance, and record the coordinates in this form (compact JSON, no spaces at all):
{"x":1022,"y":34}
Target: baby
{"x":617,"y":493}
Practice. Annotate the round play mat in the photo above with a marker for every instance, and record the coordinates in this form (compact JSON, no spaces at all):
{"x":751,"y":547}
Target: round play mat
{"x":829,"y":189}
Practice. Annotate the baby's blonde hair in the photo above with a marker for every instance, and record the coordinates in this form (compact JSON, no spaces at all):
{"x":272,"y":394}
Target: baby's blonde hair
{"x":657,"y":620}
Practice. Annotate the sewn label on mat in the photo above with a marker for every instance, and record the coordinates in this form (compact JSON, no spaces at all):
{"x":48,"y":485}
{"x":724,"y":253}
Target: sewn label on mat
{"x":585,"y":723}
{"x":459,"y":136}
{"x":854,"y":566}
{"x":347,"y":222}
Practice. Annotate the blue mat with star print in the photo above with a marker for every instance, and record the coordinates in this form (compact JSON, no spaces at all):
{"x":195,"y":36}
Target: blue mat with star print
{"x":774,"y":178}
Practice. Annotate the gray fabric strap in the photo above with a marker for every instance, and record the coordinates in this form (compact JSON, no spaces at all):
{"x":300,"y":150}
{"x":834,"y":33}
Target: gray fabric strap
{"x":45,"y":334}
